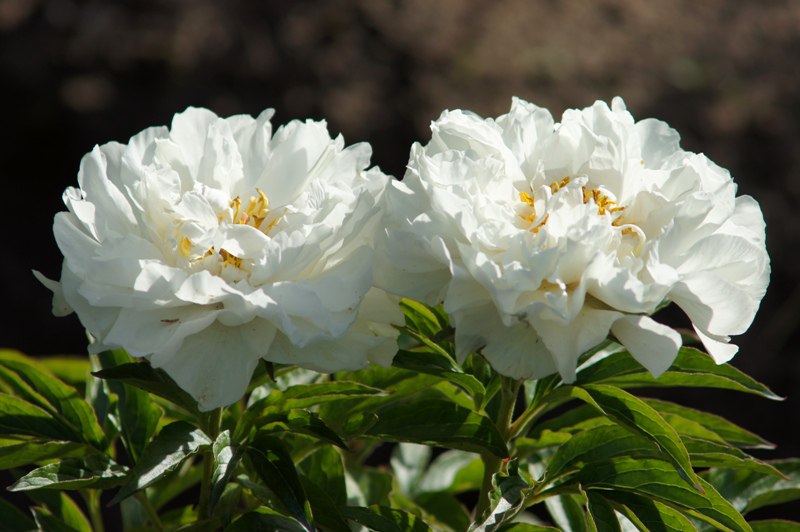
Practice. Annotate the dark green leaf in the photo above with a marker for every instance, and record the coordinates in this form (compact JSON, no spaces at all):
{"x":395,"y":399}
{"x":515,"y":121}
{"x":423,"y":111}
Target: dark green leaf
{"x":635,"y":415}
{"x":656,"y":479}
{"x":325,"y":510}
{"x":19,"y":417}
{"x":507,"y":497}
{"x":373,"y":486}
{"x":526,"y":527}
{"x":74,"y":473}
{"x":226,"y":459}
{"x":706,"y":453}
{"x":304,"y":422}
{"x":601,"y":515}
{"x":34,"y":383}
{"x":567,"y":512}
{"x":156,"y":381}
{"x":438,"y":422}
{"x":775,"y":525}
{"x":728,"y":431}
{"x":175,"y":443}
{"x":59,"y":511}
{"x":596,"y":444}
{"x":173,"y":484}
{"x":453,"y":472}
{"x":649,"y":515}
{"x":748,"y":490}
{"x":325,"y":467}
{"x":440,"y":365}
{"x":271,"y":461}
{"x":384,"y":519}
{"x":445,"y":509}
{"x":264,"y":520}
{"x":13,"y":519}
{"x":15,"y":453}
{"x":73,"y":370}
{"x":691,"y":368}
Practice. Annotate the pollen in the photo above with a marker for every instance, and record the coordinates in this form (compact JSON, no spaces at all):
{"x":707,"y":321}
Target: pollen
{"x":555,"y":186}
{"x":185,"y":246}
{"x":255,"y":213}
{"x":229,"y":259}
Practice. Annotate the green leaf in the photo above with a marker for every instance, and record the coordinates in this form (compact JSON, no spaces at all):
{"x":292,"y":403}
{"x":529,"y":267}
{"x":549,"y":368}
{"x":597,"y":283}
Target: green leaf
{"x":444,"y":509}
{"x":60,"y":512}
{"x":304,"y":422}
{"x":15,"y":453}
{"x":156,"y":381}
{"x":367,"y":486}
{"x":726,"y":430}
{"x":748,"y":490}
{"x":506,"y":499}
{"x":596,"y":444}
{"x":73,"y":370}
{"x":526,"y":527}
{"x":226,"y":459}
{"x":657,"y":479}
{"x":174,"y":484}
{"x":74,"y":473}
{"x":19,"y":417}
{"x":325,"y":510}
{"x":453,"y":472}
{"x":137,"y":413}
{"x":440,"y":365}
{"x":271,"y":461}
{"x":264,"y":520}
{"x":692,"y":368}
{"x":706,"y":453}
{"x":409,"y":461}
{"x":438,"y":422}
{"x":13,"y":519}
{"x":35,"y":384}
{"x":175,"y":443}
{"x":567,"y":512}
{"x":648,"y":515}
{"x":384,"y":519}
{"x":422,"y":318}
{"x":775,"y":525}
{"x":601,"y":515}
{"x":635,"y":415}
{"x":325,"y":467}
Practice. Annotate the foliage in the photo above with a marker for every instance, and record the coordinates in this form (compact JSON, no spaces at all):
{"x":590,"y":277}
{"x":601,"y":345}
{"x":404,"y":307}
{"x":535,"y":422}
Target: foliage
{"x":296,"y":452}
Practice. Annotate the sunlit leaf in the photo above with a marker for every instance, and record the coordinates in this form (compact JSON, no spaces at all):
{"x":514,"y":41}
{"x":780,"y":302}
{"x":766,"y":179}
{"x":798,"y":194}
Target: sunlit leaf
{"x":175,"y":443}
{"x":97,"y":472}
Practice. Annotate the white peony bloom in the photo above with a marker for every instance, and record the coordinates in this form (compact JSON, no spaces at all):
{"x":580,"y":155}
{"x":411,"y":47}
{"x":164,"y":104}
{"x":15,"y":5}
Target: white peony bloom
{"x":541,"y":237}
{"x":214,"y":243}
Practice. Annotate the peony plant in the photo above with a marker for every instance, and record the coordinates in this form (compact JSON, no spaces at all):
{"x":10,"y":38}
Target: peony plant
{"x":284,"y":339}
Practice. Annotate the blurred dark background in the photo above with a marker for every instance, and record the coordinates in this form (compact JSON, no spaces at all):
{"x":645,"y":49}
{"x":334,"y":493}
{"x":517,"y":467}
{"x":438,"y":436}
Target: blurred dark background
{"x":725,"y":74}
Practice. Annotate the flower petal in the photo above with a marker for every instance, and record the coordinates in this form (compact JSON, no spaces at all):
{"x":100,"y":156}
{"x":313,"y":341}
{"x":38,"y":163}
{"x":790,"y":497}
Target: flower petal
{"x":652,"y":344}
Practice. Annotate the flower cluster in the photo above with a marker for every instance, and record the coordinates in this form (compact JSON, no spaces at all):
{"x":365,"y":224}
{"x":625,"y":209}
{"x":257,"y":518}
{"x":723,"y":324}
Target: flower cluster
{"x":214,"y":243}
{"x":541,"y":237}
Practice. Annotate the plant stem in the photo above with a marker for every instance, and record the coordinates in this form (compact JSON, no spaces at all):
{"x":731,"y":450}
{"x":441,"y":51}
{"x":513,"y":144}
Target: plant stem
{"x":151,"y":512}
{"x":491,"y":464}
{"x":211,"y":429}
{"x":92,"y":498}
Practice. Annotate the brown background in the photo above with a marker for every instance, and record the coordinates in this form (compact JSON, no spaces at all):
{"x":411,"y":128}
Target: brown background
{"x":724,"y":73}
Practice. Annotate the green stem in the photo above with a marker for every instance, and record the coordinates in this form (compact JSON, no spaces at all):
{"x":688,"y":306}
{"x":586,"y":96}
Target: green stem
{"x":211,"y":429}
{"x":491,"y":463}
{"x":141,"y":496}
{"x":92,"y":498}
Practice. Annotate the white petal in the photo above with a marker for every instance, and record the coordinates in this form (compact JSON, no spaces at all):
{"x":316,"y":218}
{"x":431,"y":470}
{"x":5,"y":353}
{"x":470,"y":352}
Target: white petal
{"x":215,"y":365}
{"x":652,"y":344}
{"x":717,"y":346}
{"x":60,"y":305}
{"x":714,"y":304}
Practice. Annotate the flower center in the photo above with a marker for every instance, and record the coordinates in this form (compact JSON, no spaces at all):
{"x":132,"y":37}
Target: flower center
{"x":255,"y":214}
{"x":605,"y":205}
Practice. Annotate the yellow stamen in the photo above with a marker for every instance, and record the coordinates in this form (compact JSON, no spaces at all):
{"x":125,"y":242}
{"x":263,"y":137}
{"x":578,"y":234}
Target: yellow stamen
{"x":228,"y":258}
{"x":555,"y":186}
{"x":535,"y":230}
{"x":185,"y":247}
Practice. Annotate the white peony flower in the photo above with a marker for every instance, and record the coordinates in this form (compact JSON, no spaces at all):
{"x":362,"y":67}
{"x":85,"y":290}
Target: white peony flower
{"x":214,"y":243}
{"x":540,"y":238}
